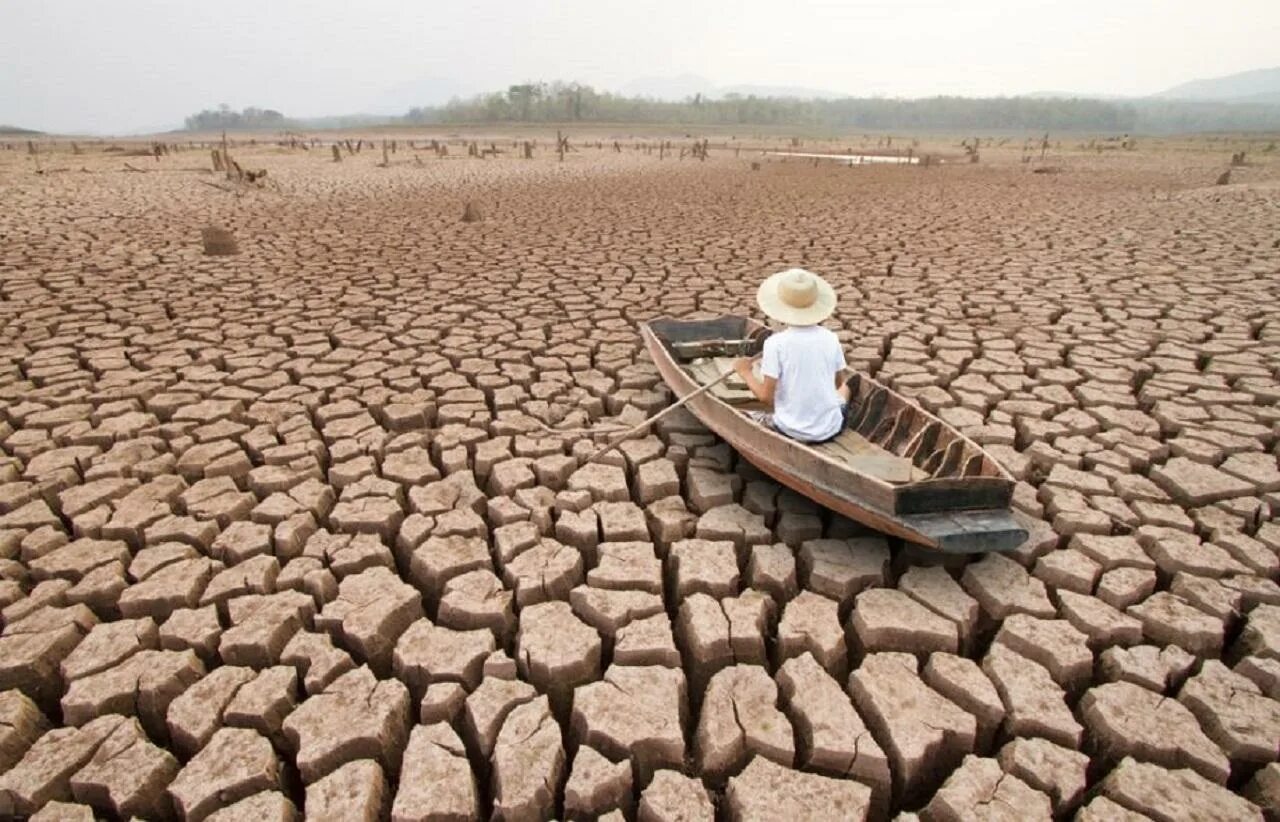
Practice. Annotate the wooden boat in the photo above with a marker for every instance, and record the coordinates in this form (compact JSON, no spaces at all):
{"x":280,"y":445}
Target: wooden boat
{"x":896,"y":467}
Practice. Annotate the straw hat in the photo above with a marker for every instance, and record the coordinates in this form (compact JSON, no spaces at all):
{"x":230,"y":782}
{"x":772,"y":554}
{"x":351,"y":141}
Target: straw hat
{"x":796,"y":297}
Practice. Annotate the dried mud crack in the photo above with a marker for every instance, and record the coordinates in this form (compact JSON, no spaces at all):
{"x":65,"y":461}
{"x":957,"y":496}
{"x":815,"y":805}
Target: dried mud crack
{"x":283,"y":533}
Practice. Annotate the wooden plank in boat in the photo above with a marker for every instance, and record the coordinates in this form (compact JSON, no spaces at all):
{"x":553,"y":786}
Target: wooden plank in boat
{"x":854,"y":450}
{"x":705,"y":371}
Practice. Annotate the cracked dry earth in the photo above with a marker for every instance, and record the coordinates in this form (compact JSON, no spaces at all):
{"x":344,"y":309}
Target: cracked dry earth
{"x":280,"y":534}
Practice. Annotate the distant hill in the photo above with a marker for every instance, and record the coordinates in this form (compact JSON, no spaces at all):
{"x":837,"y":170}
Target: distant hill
{"x":15,"y":130}
{"x":1257,"y":86}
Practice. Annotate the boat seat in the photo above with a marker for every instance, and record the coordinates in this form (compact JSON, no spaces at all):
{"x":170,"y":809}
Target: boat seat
{"x":733,"y":390}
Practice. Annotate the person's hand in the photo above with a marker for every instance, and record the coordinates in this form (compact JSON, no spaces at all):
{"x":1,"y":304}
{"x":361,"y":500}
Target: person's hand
{"x":744,"y":366}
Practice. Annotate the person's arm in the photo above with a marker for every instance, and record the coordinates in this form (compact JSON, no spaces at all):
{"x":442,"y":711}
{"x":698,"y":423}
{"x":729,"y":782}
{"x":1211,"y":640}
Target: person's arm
{"x":764,"y":388}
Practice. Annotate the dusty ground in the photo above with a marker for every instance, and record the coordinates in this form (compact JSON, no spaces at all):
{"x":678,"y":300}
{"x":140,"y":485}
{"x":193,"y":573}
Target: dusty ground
{"x":278,"y":533}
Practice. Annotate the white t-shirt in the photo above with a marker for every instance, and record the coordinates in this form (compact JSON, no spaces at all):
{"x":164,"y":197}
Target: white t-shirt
{"x":804,"y":360}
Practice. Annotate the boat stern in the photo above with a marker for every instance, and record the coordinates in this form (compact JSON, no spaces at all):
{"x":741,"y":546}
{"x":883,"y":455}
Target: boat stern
{"x":970,"y":532}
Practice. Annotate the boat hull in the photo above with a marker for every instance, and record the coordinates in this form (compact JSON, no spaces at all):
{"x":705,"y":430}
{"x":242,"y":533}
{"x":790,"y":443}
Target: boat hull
{"x":858,"y":497}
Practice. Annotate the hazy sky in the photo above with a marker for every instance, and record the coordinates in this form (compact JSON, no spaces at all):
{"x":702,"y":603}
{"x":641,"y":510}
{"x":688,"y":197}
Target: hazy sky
{"x":124,"y":65}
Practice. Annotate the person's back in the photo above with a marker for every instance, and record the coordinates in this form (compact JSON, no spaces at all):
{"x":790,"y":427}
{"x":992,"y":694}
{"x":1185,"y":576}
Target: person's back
{"x":800,"y":366}
{"x":806,"y":403}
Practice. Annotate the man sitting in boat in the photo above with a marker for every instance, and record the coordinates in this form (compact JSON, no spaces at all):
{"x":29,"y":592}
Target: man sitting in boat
{"x":800,"y":367}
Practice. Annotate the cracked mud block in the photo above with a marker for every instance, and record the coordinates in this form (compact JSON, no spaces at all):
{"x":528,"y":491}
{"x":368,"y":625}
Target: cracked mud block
{"x":195,"y":715}
{"x":241,"y":540}
{"x":357,"y":791}
{"x":264,"y":702}
{"x":1159,"y":669}
{"x":426,"y":653}
{"x":655,"y":480}
{"x":621,"y":522}
{"x":772,"y":569}
{"x":1054,"y":643}
{"x":1035,"y":705}
{"x":714,"y":634}
{"x":935,"y":588}
{"x":885,"y":619}
{"x":63,"y":812}
{"x":1234,"y":713}
{"x":528,"y":763}
{"x":627,"y":566}
{"x":142,"y":685}
{"x":1261,"y":634}
{"x":316,"y":660}
{"x":192,"y":629}
{"x":1103,"y":625}
{"x":709,"y":489}
{"x":557,"y":652}
{"x":1265,"y":673}
{"x":636,"y":713}
{"x":1175,"y":794}
{"x":549,"y":570}
{"x":702,"y":566}
{"x":646,"y":641}
{"x":1264,"y":789}
{"x":1194,"y":484}
{"x":356,"y":717}
{"x":78,"y":558}
{"x":1176,"y":552}
{"x":1123,"y":587}
{"x":670,"y":521}
{"x":832,"y":738}
{"x":924,"y":734}
{"x":840,"y":569}
{"x":978,"y":789}
{"x":1067,"y":570}
{"x":673,"y":796}
{"x":580,"y":529}
{"x":766,"y":790}
{"x":443,"y":702}
{"x":487,"y":707}
{"x":44,"y":772}
{"x":596,"y":786}
{"x":170,"y":588}
{"x":738,"y":719}
{"x":440,"y":559}
{"x":235,"y":764}
{"x":963,"y":682}
{"x":21,"y":724}
{"x":1059,"y":772}
{"x":1111,"y":552}
{"x":33,"y":648}
{"x":436,"y":782}
{"x":1208,"y":595}
{"x":1126,"y":720}
{"x":127,"y":775}
{"x":265,"y":806}
{"x":1002,"y":588}
{"x":372,"y":610}
{"x":811,"y":624}
{"x":735,"y":524}
{"x":261,"y":626}
{"x":605,"y":483}
{"x":256,"y":575}
{"x":108,"y":644}
{"x":608,"y":611}
{"x":476,"y":600}
{"x":1168,"y":619}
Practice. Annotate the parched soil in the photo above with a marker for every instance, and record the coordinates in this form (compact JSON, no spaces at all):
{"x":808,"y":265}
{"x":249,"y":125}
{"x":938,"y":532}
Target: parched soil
{"x":282,"y":532}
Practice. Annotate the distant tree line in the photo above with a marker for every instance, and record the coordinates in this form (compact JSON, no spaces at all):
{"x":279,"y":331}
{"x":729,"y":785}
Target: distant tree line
{"x":573,"y":102}
{"x":224,"y":118}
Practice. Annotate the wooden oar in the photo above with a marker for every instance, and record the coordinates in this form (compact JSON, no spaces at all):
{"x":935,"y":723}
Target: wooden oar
{"x":640,"y":426}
